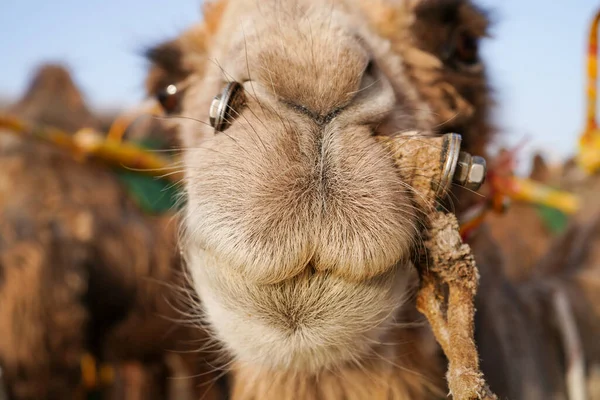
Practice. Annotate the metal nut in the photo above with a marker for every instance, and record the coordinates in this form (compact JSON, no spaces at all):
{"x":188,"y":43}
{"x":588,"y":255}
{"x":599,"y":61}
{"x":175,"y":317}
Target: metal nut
{"x":470,"y":171}
{"x":477,"y":173}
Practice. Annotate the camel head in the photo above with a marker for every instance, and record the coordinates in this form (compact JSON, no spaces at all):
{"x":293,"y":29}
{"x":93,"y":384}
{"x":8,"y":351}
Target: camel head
{"x":299,"y":229}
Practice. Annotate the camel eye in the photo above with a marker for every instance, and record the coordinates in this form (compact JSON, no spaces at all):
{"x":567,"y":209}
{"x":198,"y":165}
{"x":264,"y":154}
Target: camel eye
{"x":466,"y":48}
{"x":226,"y":106}
{"x":169,"y":98}
{"x":463,"y":50}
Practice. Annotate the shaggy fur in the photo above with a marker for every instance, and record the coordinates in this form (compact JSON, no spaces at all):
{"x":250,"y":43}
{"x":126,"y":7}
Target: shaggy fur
{"x":298,"y":225}
{"x":298,"y":230}
{"x":83,"y":269}
{"x":520,"y":231}
{"x":320,"y":290}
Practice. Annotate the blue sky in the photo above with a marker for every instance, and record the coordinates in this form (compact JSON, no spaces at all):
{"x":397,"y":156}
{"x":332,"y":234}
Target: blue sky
{"x":536,"y":57}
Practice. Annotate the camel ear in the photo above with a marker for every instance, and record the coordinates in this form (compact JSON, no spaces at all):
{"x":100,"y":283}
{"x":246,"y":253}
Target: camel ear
{"x":451,"y":29}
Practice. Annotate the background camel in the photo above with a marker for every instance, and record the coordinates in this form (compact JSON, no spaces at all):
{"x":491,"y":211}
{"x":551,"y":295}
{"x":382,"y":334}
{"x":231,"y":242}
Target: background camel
{"x":524,"y":230}
{"x":84,"y":271}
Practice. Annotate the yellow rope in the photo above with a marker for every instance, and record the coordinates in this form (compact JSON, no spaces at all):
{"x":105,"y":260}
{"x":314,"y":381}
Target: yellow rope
{"x":90,"y":143}
{"x":94,"y":375}
{"x":522,"y":189}
{"x":509,"y":187}
{"x":588,"y":157}
{"x":119,"y":126}
{"x":88,"y":371}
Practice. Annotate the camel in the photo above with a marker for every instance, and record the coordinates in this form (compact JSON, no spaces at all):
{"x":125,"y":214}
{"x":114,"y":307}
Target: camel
{"x":54,"y":99}
{"x":298,"y":232}
{"x":565,"y":260}
{"x":522,"y":230}
{"x":85,"y":272}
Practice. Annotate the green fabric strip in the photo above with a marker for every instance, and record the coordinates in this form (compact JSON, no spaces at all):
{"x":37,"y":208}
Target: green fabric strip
{"x":556,"y":221}
{"x":153,"y":195}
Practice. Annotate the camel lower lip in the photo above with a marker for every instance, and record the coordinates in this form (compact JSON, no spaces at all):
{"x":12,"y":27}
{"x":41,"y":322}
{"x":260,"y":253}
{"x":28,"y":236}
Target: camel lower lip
{"x":312,"y":321}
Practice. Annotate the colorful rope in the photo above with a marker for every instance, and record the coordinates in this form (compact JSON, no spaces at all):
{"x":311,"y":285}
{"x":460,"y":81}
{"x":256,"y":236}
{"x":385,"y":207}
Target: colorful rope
{"x":588,"y":157}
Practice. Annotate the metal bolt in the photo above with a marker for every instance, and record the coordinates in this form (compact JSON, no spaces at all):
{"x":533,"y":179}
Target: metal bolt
{"x":226,"y":105}
{"x":470,"y":171}
{"x":213,"y":112}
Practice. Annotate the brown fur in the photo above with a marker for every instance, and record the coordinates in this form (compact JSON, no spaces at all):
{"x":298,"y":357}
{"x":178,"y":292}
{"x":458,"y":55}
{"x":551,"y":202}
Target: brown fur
{"x":573,"y":264}
{"x":299,"y":89}
{"x":299,"y":232}
{"x":83,"y":269}
{"x":307,"y":286}
{"x":520,"y":230}
{"x":52,"y":98}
